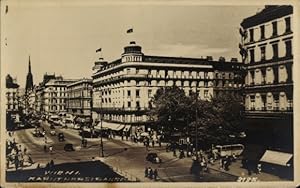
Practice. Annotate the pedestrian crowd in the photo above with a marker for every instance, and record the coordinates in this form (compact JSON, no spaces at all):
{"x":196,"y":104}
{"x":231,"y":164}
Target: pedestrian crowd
{"x":16,"y":155}
{"x":151,"y":174}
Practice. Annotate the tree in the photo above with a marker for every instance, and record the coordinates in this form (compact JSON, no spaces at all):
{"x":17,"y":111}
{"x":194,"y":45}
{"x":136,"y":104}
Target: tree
{"x":218,"y":121}
{"x":228,"y":107}
{"x":170,"y":108}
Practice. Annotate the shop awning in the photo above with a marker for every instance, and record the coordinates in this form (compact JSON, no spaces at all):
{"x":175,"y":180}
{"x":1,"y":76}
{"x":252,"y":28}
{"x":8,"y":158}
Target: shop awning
{"x":276,"y":157}
{"x":127,"y":128}
{"x":108,"y":125}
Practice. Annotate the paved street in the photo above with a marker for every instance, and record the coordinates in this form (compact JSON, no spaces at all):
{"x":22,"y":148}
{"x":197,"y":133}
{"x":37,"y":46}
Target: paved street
{"x":125,"y":157}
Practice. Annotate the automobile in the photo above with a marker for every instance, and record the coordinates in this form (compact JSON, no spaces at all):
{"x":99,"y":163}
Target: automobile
{"x":69,"y":147}
{"x":21,"y":125}
{"x":77,"y":126}
{"x":37,"y":133}
{"x":242,"y":135}
{"x":61,"y":137}
{"x":153,"y":157}
{"x":52,"y":132}
{"x":57,"y":122}
{"x":68,"y":123}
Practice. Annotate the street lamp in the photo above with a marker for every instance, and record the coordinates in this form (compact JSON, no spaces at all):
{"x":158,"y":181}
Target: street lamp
{"x":196,"y":124}
{"x":101,"y":128}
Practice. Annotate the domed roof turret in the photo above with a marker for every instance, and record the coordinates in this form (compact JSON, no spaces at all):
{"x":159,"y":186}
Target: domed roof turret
{"x":132,"y":48}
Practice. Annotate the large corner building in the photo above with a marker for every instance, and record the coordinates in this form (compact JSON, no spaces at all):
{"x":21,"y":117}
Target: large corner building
{"x":122,"y":89}
{"x":268,"y":39}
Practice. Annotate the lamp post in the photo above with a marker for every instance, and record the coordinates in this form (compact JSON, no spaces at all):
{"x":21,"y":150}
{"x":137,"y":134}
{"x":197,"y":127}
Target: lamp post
{"x":196,"y":111}
{"x":101,"y":128}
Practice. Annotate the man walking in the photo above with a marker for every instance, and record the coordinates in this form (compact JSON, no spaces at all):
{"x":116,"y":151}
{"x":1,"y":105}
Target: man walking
{"x":146,"y":172}
{"x":155,"y":174}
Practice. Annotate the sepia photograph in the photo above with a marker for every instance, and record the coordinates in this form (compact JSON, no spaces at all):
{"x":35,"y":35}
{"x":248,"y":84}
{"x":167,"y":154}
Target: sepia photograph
{"x":148,"y":92}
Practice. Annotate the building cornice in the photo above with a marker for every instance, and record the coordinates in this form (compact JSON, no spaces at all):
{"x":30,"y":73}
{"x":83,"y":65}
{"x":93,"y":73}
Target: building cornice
{"x":267,"y":14}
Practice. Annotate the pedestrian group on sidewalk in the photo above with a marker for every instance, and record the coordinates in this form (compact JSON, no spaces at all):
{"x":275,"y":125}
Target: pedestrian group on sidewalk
{"x":150,"y":173}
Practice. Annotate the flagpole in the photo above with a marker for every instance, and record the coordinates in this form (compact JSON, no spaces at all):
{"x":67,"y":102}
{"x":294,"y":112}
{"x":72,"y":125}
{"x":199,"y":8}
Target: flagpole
{"x":129,"y":32}
{"x":100,"y":52}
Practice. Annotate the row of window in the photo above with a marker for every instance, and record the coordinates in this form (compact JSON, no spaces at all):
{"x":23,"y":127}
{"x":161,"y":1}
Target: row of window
{"x":84,"y":93}
{"x":288,"y":49}
{"x":79,"y":104}
{"x":162,"y":73}
{"x":54,"y":108}
{"x":61,"y":94}
{"x":274,"y":29}
{"x":58,"y":88}
{"x":108,"y":100}
{"x":12,"y":107}
{"x":280,"y":74}
{"x":133,"y":58}
{"x":269,"y":103}
{"x":58,"y":101}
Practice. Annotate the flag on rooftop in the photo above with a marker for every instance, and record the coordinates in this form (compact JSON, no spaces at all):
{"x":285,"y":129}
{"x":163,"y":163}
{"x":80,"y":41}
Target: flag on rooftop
{"x":99,"y":50}
{"x":130,"y":30}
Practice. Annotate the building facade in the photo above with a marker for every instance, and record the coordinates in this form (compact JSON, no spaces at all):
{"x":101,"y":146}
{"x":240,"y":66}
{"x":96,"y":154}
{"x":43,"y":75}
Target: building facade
{"x":267,"y":38}
{"x":51,"y":94}
{"x":79,"y":99}
{"x":55,"y":95}
{"x":12,"y":103}
{"x":12,"y":95}
{"x":122,"y":89}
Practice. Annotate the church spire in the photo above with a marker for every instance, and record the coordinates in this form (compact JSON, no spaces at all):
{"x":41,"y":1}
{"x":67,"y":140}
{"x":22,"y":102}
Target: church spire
{"x":29,"y":66}
{"x":29,"y":80}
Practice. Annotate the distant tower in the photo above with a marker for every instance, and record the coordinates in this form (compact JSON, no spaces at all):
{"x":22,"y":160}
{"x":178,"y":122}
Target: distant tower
{"x":29,"y":81}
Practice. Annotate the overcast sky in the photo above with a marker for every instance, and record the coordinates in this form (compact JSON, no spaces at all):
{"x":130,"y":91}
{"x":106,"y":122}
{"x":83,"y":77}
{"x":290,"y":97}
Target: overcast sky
{"x":62,"y":37}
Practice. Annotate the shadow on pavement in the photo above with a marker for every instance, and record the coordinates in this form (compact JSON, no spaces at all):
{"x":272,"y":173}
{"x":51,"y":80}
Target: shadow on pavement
{"x":118,"y":152}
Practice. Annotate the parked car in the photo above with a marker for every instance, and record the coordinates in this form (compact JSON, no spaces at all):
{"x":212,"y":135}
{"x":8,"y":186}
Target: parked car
{"x":69,"y":147}
{"x":153,"y":157}
{"x":37,"y":133}
{"x":21,"y":125}
{"x":77,"y":126}
{"x":68,"y":123}
{"x":61,"y":137}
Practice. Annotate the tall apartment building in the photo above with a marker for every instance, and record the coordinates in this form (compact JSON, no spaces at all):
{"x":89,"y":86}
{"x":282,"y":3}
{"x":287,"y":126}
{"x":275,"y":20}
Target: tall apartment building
{"x":12,"y":95}
{"x":51,"y":94}
{"x":79,"y":100}
{"x":40,"y":92}
{"x":55,"y":95}
{"x":12,"y":101}
{"x":122,"y":89}
{"x":267,"y":38}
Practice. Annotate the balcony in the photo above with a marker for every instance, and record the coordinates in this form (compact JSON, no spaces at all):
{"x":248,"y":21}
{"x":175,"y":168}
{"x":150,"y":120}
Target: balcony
{"x":273,"y":86}
{"x":277,"y":60}
{"x":268,"y":114}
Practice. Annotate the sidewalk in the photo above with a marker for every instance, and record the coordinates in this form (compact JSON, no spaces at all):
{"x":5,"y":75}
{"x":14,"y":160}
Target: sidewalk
{"x":235,"y":168}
